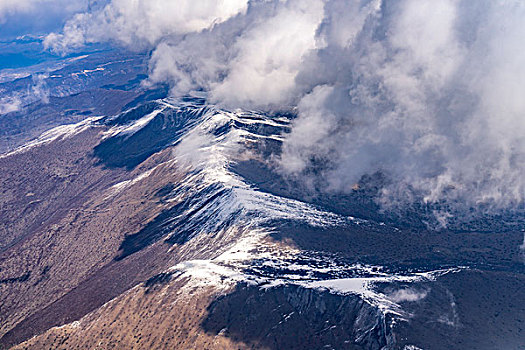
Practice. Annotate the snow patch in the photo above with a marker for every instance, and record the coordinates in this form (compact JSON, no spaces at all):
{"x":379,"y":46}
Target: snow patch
{"x":132,"y":128}
{"x":119,"y":187}
{"x":60,"y":132}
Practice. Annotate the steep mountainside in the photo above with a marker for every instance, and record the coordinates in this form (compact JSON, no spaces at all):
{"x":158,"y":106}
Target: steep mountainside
{"x":166,"y":226}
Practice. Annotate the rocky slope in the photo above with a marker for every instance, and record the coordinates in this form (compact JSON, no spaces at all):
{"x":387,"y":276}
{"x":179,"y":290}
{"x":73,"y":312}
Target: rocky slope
{"x":166,"y":226}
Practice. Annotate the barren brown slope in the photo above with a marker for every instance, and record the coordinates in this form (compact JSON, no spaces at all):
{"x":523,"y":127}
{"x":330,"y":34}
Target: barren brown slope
{"x":162,"y":316}
{"x":65,"y":222}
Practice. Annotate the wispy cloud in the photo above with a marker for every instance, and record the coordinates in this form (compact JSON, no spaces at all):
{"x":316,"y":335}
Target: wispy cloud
{"x":10,"y":104}
{"x":407,"y":295}
{"x":16,"y":100}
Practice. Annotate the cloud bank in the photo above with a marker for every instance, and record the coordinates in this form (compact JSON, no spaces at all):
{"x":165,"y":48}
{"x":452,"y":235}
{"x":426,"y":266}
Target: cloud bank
{"x":20,"y":17}
{"x":429,"y":93}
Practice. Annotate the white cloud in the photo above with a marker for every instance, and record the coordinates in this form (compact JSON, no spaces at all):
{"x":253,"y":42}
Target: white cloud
{"x":137,"y":23}
{"x":407,"y":294}
{"x":428,"y":92}
{"x":432,"y":104}
{"x":9,"y":104}
{"x":269,"y":55}
{"x":14,"y":7}
{"x":20,"y":17}
{"x":11,"y":6}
